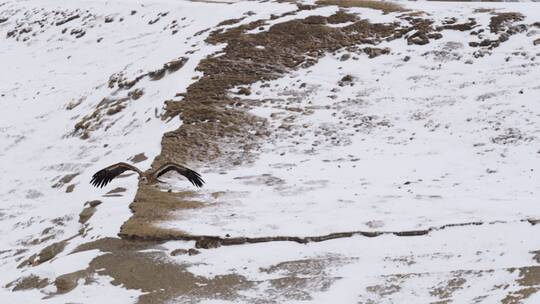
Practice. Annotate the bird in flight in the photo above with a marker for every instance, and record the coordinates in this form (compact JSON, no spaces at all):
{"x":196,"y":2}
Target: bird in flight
{"x":106,"y":175}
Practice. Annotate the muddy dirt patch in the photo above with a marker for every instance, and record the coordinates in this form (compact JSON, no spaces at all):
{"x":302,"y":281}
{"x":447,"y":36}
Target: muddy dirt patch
{"x":385,"y":6}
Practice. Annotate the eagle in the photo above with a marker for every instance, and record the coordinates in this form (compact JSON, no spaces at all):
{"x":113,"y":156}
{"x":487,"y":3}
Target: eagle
{"x":106,"y":175}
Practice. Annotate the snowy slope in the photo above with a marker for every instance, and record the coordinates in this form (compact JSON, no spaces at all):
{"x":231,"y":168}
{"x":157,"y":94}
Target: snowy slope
{"x":442,"y":138}
{"x":51,"y":81}
{"x":425,"y":138}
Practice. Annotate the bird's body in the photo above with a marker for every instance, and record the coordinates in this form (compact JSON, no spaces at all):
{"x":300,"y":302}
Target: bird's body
{"x":105,"y":175}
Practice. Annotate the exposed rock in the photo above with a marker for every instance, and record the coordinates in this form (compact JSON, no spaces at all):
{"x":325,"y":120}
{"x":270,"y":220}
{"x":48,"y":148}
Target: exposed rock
{"x":50,"y":252}
{"x":78,"y":33}
{"x":315,"y":20}
{"x":459,"y":27}
{"x":385,"y":6}
{"x":510,"y":136}
{"x":193,"y":251}
{"x":434,"y":36}
{"x":86,"y":214}
{"x":28,"y":282}
{"x":170,"y":67}
{"x":68,"y":19}
{"x":501,"y":20}
{"x":117,"y":190}
{"x":70,"y":188}
{"x":208,"y":243}
{"x":136,"y":94}
{"x":178,"y":252}
{"x":375,"y":52}
{"x":67,"y":282}
{"x":138,"y":158}
{"x":244,"y":91}
{"x":190,"y":251}
{"x":93,"y":203}
{"x":345,"y":57}
{"x":341,"y":17}
{"x":230,"y":21}
{"x":346,"y":80}
{"x":65,"y":180}
{"x":418,"y":38}
{"x":44,"y":255}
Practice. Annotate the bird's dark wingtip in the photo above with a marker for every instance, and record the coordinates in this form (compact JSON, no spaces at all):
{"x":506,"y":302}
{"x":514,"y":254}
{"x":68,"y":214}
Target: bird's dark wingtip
{"x":99,"y":179}
{"x":195,"y":179}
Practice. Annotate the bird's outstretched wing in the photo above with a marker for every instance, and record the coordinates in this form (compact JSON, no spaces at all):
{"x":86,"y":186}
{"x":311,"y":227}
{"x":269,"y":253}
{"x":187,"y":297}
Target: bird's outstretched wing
{"x":192,"y":176}
{"x":104,"y":176}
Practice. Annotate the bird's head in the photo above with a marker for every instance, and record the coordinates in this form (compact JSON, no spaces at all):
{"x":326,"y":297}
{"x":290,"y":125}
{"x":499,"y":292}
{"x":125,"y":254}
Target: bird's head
{"x":143,"y":179}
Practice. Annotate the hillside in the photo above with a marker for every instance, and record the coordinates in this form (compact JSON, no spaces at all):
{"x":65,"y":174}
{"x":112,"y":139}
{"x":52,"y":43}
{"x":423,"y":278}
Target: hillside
{"x":353,"y":151}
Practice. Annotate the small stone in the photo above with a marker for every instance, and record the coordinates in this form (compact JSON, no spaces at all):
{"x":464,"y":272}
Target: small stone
{"x":193,"y":251}
{"x":418,"y":38}
{"x":136,"y":94}
{"x":94,"y":203}
{"x":244,"y":91}
{"x":86,"y":214}
{"x":346,"y":80}
{"x":435,"y":36}
{"x":345,"y":57}
{"x":70,"y":188}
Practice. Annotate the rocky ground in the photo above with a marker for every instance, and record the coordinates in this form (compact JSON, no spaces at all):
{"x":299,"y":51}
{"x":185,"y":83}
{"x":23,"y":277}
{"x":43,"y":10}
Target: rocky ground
{"x":353,"y":151}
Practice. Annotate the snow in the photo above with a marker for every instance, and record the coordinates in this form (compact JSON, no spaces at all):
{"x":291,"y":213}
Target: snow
{"x":432,"y":148}
{"x":48,"y":72}
{"x":438,"y":140}
{"x":482,"y":256}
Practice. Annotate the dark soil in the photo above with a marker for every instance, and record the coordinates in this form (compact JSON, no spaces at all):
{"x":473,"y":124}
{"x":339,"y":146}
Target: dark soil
{"x":160,"y":280}
{"x":215,"y":125}
{"x":500,"y":21}
{"x":28,"y":282}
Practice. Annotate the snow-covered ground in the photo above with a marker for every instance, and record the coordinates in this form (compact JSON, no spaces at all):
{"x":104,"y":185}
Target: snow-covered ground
{"x":438,"y":139}
{"x":51,"y":80}
{"x":424,"y":137}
